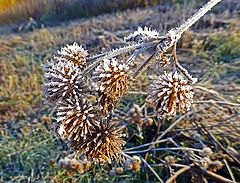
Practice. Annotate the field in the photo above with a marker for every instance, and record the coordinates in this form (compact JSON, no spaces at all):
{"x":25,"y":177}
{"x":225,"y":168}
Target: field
{"x":210,"y":50}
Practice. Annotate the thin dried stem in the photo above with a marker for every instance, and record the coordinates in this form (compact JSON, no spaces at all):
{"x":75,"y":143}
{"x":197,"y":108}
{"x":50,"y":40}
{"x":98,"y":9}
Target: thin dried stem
{"x":144,"y":66}
{"x":229,"y":170}
{"x":216,"y":102}
{"x":163,"y":149}
{"x":215,"y":176}
{"x":155,"y":173}
{"x":179,"y":172}
{"x":200,"y":13}
{"x":147,"y":144}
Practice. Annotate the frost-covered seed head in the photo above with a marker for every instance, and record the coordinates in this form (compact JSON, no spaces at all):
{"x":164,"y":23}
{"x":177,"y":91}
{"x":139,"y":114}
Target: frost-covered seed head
{"x":114,"y":81}
{"x":171,"y":93}
{"x":74,"y":122}
{"x":63,"y":80}
{"x":75,"y":54}
{"x":143,"y":34}
{"x":101,"y":146}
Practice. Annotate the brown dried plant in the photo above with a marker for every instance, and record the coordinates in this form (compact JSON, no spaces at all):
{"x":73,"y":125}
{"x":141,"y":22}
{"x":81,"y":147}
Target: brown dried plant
{"x":171,"y":93}
{"x":73,"y":78}
{"x":114,"y":82}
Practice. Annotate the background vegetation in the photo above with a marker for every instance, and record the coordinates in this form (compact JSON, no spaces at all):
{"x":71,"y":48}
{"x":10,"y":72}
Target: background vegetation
{"x":13,"y":11}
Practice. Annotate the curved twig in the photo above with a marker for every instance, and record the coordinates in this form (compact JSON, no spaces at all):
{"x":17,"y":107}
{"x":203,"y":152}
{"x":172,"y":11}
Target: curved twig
{"x":179,"y":172}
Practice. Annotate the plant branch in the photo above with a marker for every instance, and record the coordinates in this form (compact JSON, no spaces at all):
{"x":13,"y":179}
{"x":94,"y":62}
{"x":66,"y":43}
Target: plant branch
{"x":155,"y":173}
{"x":163,"y":149}
{"x":200,"y":13}
{"x":215,"y":176}
{"x":144,"y":66}
{"x":219,"y":144}
{"x":179,"y":172}
{"x":216,"y":102}
{"x":229,"y":170}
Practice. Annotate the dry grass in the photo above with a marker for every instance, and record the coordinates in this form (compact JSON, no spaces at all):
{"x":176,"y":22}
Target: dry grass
{"x":20,"y":86}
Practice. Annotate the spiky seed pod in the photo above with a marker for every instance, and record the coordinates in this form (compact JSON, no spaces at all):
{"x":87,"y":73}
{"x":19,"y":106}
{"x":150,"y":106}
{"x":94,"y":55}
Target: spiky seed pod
{"x":63,"y":80}
{"x":207,"y":152}
{"x":149,"y":122}
{"x":112,"y":172}
{"x":143,"y":34}
{"x":204,"y":162}
{"x":103,"y":145}
{"x":170,"y":92}
{"x":71,"y":165}
{"x":136,"y":163}
{"x":77,"y":120}
{"x":170,"y":159}
{"x":215,"y":166}
{"x":119,"y":170}
{"x":114,"y":82}
{"x":75,"y":54}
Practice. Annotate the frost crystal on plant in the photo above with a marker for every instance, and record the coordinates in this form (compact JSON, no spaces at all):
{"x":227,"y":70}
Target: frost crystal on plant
{"x":75,"y":54}
{"x":66,"y":108}
{"x":63,"y":80}
{"x":77,"y":120}
{"x":114,"y":82}
{"x":143,"y":34}
{"x":171,"y":93}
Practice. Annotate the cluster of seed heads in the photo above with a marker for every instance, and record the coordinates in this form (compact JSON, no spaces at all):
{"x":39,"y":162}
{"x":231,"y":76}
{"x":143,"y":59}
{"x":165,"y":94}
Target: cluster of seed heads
{"x":80,"y":121}
{"x":73,"y":78}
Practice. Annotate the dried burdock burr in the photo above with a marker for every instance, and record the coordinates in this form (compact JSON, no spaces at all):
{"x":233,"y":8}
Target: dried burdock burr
{"x":73,"y":53}
{"x":215,"y":166}
{"x":136,"y":163}
{"x":207,"y":152}
{"x":171,"y":93}
{"x":63,"y":80}
{"x":116,"y":171}
{"x":114,"y":81}
{"x":112,"y":172}
{"x":128,"y":164}
{"x":104,"y":144}
{"x":71,"y":164}
{"x":135,"y":114}
{"x":119,"y":170}
{"x":170,"y":159}
{"x":77,"y":120}
{"x":163,"y":59}
{"x":149,"y":122}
